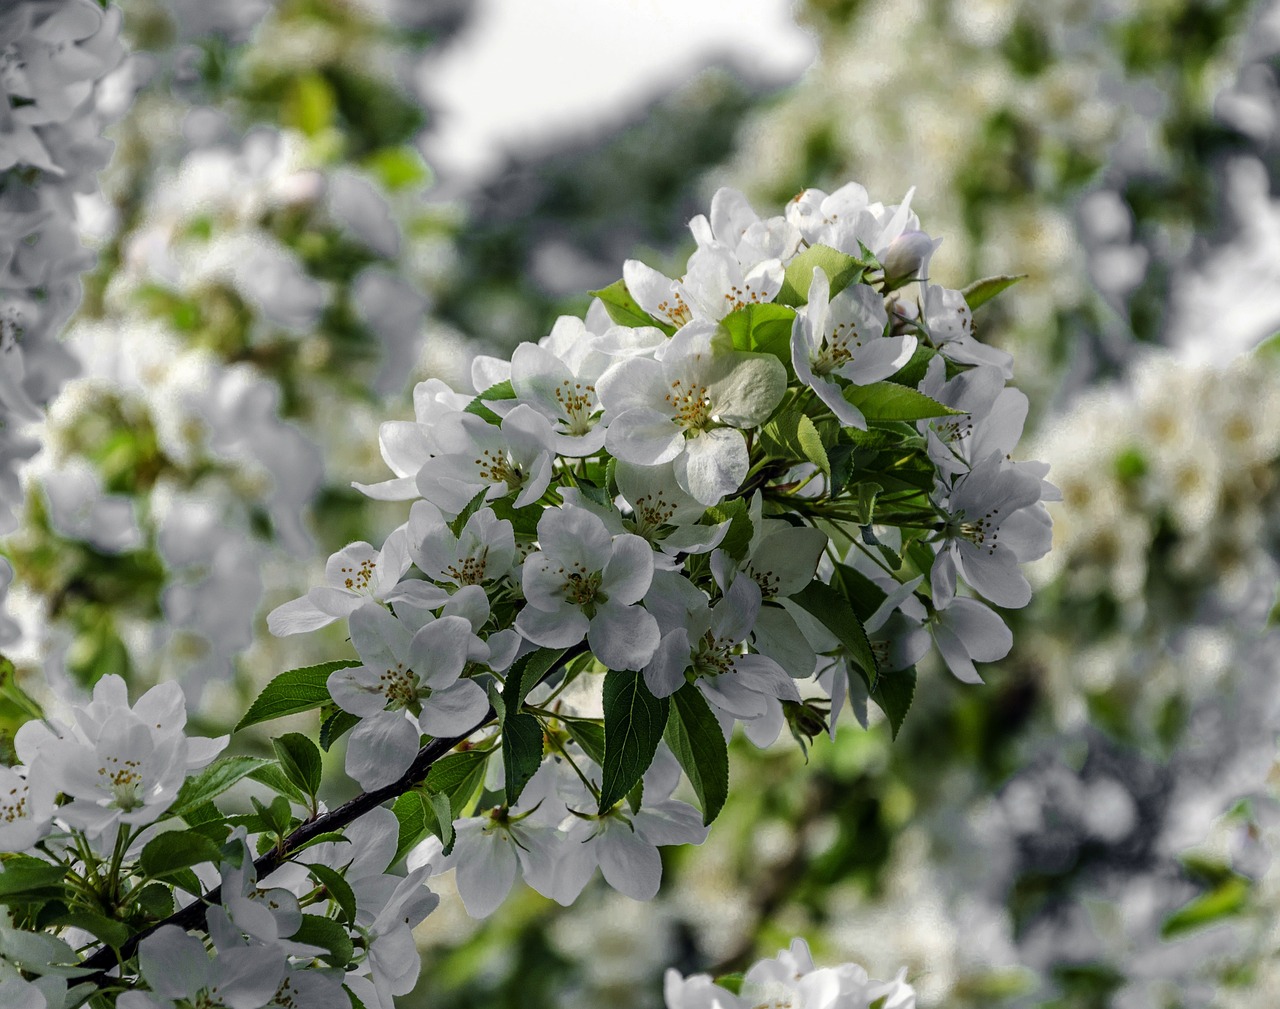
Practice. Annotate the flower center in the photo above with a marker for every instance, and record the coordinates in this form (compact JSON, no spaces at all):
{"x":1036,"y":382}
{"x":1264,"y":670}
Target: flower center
{"x":582,"y":587}
{"x":769,"y":582}
{"x":498,"y":467}
{"x":470,"y":570}
{"x":674,"y":310}
{"x":652,"y":511}
{"x":578,"y":404}
{"x":14,"y":807}
{"x":123,"y":780}
{"x":691,"y":404}
{"x":359,"y":579}
{"x":836,"y":350}
{"x":983,"y":532}
{"x":954,"y":429}
{"x":400,"y":687}
{"x":713,"y":655}
{"x":740,"y":297}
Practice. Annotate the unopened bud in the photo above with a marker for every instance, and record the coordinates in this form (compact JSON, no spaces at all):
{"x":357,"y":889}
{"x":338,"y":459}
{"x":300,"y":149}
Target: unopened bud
{"x":907,"y":258}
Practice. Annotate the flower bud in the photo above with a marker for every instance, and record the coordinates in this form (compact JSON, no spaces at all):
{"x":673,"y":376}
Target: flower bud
{"x":907,"y":258}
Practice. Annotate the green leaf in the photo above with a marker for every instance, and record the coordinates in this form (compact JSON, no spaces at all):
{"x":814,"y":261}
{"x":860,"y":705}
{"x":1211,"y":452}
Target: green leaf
{"x":794,"y":437}
{"x":589,"y":735}
{"x":299,"y":760}
{"x":841,"y":270}
{"x":912,"y":373}
{"x":525,"y":673}
{"x":1227,"y":898}
{"x":271,"y":775}
{"x":764,"y":328}
{"x":864,"y":595}
{"x":155,"y":900}
{"x":328,"y":935}
{"x":113,"y":933}
{"x":294,"y":691}
{"x":450,"y":774}
{"x":477,"y":407}
{"x":524,"y":521}
{"x":472,"y":506}
{"x":26,"y":879}
{"x":622,"y":308}
{"x":335,"y":726}
{"x":414,"y":815}
{"x":633,"y":723}
{"x":833,"y":611}
{"x":981,"y":291}
{"x":695,"y":738}
{"x":890,"y":401}
{"x":166,"y":853}
{"x":521,"y":752}
{"x":339,"y":889}
{"x":499,"y":390}
{"x":336,"y":836}
{"x":737,"y":541}
{"x":893,"y":693}
{"x":443,"y":812}
{"x":398,"y":167}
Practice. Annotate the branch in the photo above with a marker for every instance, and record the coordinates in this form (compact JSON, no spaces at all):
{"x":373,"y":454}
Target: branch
{"x":193,"y":915}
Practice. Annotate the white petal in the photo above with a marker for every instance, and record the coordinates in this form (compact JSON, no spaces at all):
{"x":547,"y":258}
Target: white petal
{"x":714,"y":464}
{"x":629,"y":572}
{"x":623,"y":637}
{"x":486,"y":873}
{"x":454,"y":710}
{"x":381,"y":748}
{"x":630,"y":864}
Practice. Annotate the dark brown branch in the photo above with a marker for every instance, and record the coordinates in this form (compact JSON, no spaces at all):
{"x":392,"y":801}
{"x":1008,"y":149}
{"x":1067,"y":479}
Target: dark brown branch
{"x":193,"y":915}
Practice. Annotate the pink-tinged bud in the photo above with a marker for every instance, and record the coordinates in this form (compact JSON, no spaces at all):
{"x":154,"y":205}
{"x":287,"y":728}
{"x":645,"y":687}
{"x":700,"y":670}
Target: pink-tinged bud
{"x":907,"y":258}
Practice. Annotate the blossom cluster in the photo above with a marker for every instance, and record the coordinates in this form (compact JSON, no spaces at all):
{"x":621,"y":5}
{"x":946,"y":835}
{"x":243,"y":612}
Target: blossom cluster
{"x":57,"y":92}
{"x":743,"y":495}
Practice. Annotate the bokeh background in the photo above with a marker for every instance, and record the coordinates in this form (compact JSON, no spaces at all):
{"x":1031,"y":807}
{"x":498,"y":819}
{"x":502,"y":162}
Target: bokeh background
{"x":314,"y":204}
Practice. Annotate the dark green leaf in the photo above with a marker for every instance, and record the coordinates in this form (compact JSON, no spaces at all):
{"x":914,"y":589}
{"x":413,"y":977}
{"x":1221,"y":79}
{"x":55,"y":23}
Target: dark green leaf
{"x":27,"y":879}
{"x":113,"y":933}
{"x":833,"y":611}
{"x":415,"y":817}
{"x":339,"y":889}
{"x":336,"y":725}
{"x":841,"y":270}
{"x":524,"y":521}
{"x":177,"y":849}
{"x":524,"y":675}
{"x":328,"y":935}
{"x":695,"y":738}
{"x":913,"y":372}
{"x":633,"y":723}
{"x":443,"y":812}
{"x":981,"y":291}
{"x":864,"y":595}
{"x":335,"y":836}
{"x":622,"y":308}
{"x":890,"y":401}
{"x":893,"y":693}
{"x":155,"y":900}
{"x":521,"y":752}
{"x":589,"y":735}
{"x":299,"y":760}
{"x":294,"y":691}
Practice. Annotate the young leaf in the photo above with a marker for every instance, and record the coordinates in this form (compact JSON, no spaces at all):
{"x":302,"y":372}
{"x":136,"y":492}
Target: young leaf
{"x":890,"y":401}
{"x":271,"y":775}
{"x":841,"y":270}
{"x":299,"y":760}
{"x":471,"y":507}
{"x":1224,"y":900}
{"x":737,"y":540}
{"x":893,"y":693}
{"x":695,"y":738}
{"x":212,"y":782}
{"x":501,"y":390}
{"x":911,"y":373}
{"x":763,"y":328}
{"x":622,"y":308}
{"x":177,"y":849}
{"x":339,"y":889}
{"x":292,"y":692}
{"x":328,"y":935}
{"x":443,"y":812}
{"x":633,"y":723}
{"x":981,"y":291}
{"x":833,"y":611}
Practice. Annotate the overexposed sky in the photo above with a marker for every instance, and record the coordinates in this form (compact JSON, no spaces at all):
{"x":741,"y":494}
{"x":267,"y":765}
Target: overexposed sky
{"x":523,"y":70}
